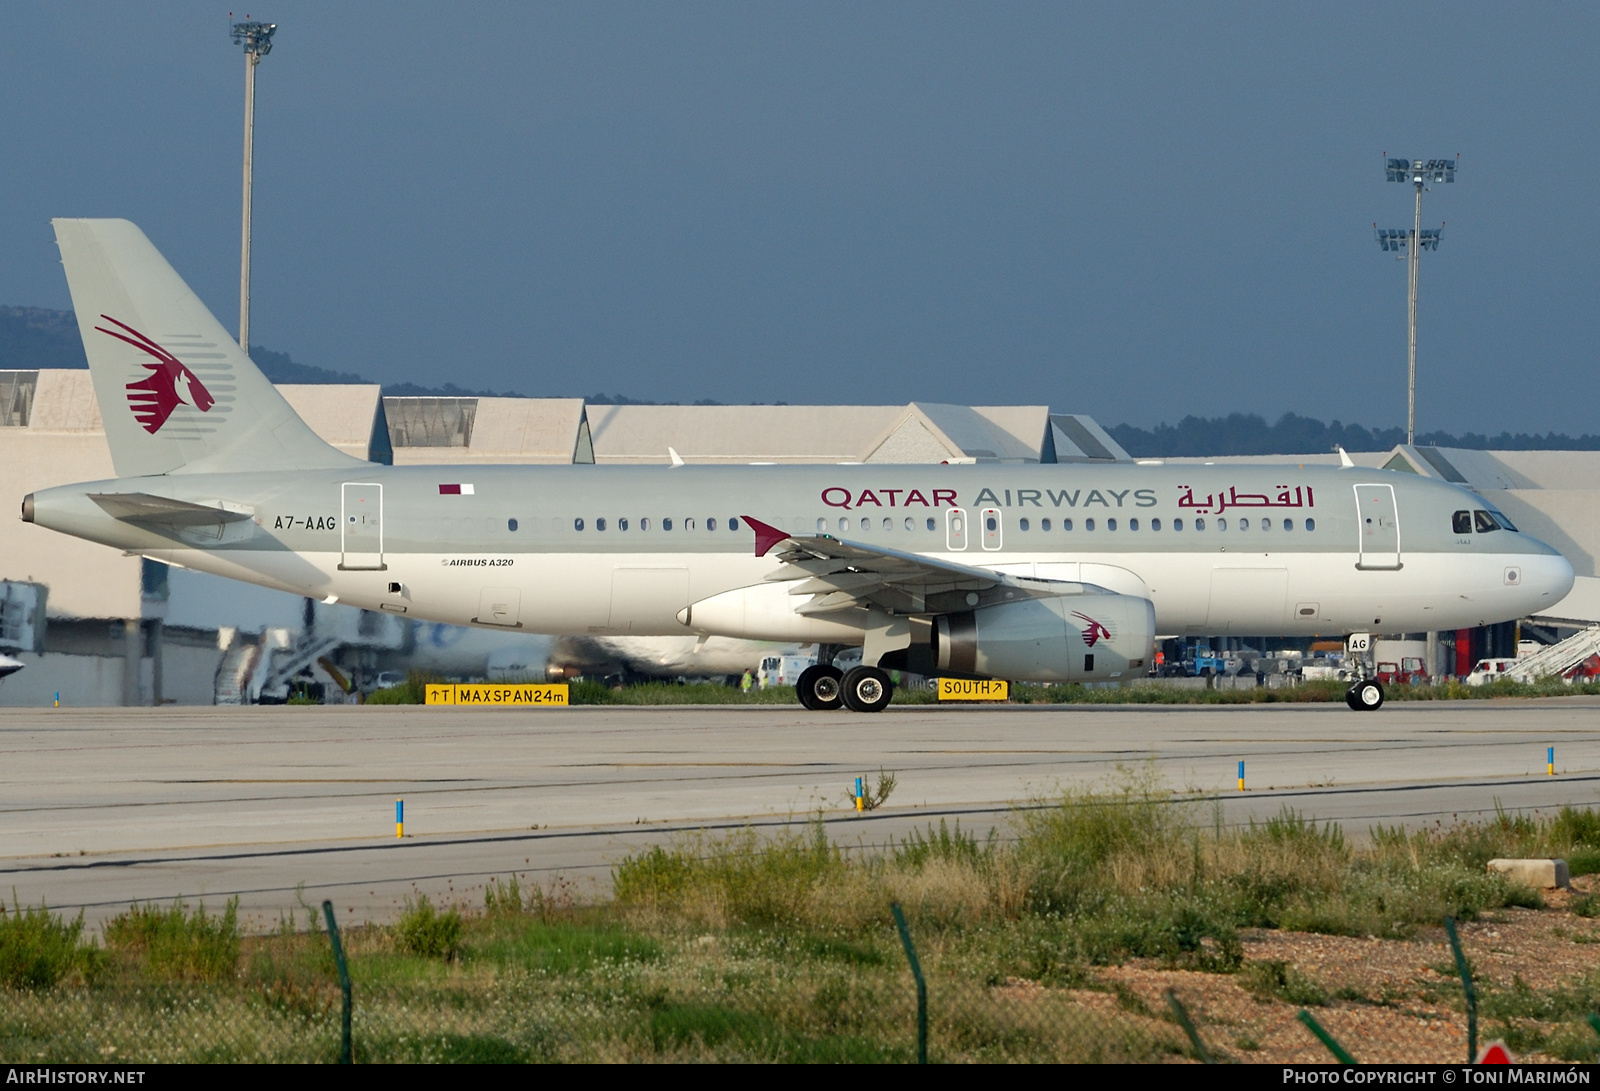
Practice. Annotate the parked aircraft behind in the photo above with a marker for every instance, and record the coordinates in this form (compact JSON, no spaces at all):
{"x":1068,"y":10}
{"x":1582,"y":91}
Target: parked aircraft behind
{"x":1029,"y":572}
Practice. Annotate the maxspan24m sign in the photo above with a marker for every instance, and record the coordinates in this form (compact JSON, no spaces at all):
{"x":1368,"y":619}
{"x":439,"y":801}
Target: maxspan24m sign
{"x":497,"y":696}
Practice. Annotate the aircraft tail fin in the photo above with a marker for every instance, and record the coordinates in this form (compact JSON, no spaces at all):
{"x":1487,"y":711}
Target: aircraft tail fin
{"x":176,"y":392}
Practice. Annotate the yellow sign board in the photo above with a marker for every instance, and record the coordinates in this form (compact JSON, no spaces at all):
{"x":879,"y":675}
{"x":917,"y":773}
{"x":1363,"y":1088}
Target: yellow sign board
{"x":962,"y":689}
{"x":493,"y":695}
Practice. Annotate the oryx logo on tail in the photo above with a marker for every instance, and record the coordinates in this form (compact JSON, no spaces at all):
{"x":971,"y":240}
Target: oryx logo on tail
{"x":169,"y":384}
{"x":1095,"y":632}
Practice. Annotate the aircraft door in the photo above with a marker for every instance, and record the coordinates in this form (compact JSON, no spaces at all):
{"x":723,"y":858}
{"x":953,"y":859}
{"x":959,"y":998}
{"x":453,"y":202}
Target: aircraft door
{"x":500,"y":606}
{"x":955,"y":529}
{"x":361,"y":527}
{"x":1378,"y":524}
{"x":992,"y":530}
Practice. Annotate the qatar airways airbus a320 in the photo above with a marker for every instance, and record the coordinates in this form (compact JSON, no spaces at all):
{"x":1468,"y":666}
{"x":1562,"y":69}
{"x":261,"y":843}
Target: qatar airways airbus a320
{"x":1023,"y":572}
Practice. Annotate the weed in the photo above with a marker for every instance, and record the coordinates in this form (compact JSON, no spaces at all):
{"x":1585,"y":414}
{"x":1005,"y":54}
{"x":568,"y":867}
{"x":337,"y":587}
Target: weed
{"x":1278,"y":980}
{"x":873,"y":797}
{"x":173,"y":944}
{"x":735,"y":879}
{"x":946,"y":845}
{"x":423,"y":930}
{"x":1130,"y":1001}
{"x":38,"y":949}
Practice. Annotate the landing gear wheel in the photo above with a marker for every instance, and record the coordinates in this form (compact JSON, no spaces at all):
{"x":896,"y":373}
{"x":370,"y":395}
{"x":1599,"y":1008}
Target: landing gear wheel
{"x":818,"y":688}
{"x":867,"y":689}
{"x":1365,"y":696}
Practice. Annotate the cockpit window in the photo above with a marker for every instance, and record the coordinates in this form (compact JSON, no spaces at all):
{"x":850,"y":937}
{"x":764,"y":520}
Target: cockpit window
{"x":1500,"y":517}
{"x":1461,"y":522}
{"x":1484,"y":521}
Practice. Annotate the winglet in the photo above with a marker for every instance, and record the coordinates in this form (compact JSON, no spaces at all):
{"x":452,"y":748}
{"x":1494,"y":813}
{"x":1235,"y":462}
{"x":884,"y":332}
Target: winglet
{"x":766,"y":537}
{"x":677,"y":459}
{"x":1344,"y":459}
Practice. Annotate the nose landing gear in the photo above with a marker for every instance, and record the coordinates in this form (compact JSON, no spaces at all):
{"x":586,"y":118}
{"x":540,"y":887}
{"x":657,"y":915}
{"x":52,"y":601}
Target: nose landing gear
{"x":1365,"y":696}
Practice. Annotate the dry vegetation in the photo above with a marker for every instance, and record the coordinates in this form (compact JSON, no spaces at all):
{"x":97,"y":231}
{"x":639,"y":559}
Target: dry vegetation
{"x":1057,"y":943}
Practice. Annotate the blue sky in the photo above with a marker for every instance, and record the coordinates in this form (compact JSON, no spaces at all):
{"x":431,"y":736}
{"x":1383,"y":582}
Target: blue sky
{"x":1135,"y":211}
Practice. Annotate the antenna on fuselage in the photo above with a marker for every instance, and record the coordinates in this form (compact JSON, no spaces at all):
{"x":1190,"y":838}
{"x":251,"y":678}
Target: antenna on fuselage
{"x":1344,"y":459}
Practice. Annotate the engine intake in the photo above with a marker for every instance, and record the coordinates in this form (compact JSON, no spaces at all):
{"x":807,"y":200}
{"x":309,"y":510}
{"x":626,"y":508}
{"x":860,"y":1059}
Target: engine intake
{"x":1077,"y":638}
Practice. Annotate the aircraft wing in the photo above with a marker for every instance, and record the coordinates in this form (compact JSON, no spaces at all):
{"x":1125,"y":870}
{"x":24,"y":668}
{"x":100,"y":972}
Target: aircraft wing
{"x":844,"y":575}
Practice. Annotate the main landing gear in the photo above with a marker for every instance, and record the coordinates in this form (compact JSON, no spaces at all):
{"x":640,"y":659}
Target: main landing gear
{"x":1364,"y":696}
{"x":863,"y":689}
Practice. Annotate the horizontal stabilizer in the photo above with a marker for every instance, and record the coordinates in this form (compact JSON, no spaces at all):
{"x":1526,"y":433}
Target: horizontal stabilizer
{"x":141,"y":507}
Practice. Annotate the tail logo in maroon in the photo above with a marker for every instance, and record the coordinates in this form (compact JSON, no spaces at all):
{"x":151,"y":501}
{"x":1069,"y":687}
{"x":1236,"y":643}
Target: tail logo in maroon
{"x":169,"y":384}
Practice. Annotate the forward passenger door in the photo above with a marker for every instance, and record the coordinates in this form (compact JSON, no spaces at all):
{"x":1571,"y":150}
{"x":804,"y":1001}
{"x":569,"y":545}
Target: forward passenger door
{"x":1378,"y":527}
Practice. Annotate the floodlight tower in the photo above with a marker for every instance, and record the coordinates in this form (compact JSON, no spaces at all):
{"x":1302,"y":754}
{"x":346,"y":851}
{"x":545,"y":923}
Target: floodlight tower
{"x":1418,"y":172}
{"x":257,"y":41}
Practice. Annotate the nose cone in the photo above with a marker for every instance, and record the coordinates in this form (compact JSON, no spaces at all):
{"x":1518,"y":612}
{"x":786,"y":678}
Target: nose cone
{"x":1547,"y":577}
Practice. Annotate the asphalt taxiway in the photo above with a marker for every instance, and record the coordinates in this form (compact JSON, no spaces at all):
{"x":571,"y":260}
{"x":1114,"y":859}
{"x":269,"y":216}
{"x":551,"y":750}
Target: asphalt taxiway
{"x":100,"y":807}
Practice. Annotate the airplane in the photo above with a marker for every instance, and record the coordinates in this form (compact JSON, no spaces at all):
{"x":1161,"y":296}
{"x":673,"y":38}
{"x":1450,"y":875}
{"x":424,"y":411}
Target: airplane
{"x":1037,"y":572}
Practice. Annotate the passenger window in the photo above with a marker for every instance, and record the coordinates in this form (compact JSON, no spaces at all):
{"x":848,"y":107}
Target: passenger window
{"x":1088,"y":524}
{"x":1461,"y":522}
{"x":1044,"y":525}
{"x":1485,"y":522}
{"x":1022,"y":524}
{"x":1222,"y":524}
{"x":688,"y":524}
{"x":1066,"y":525}
{"x":844,"y":525}
{"x":991,"y":524}
{"x":711,"y":524}
{"x":599,"y":524}
{"x":932,"y":523}
{"x":1133,"y":524}
{"x":622,"y":524}
{"x":577,"y":524}
{"x":866,"y":524}
{"x":1266,"y":524}
{"x":822,"y":526}
{"x":1244,"y":524}
{"x":1155,"y":524}
{"x":666,"y":524}
{"x":733,"y":524}
{"x":1311,"y":524}
{"x":888,"y":524}
{"x":644,"y":524}
{"x":511,"y":525}
{"x":1177,"y":525}
{"x":1199,"y":523}
{"x":1288,"y":524}
{"x":911,"y":523}
{"x":1111,"y":524}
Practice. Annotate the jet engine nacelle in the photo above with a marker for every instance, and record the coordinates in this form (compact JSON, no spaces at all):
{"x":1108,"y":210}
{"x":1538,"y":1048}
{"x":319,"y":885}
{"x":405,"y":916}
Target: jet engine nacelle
{"x":1074,"y":638}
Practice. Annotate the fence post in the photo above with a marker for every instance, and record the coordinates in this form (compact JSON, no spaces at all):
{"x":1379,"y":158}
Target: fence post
{"x":1188,"y":1027}
{"x":1339,"y":1052}
{"x":922,"y":986}
{"x":346,"y":1054}
{"x":1466,"y":987}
